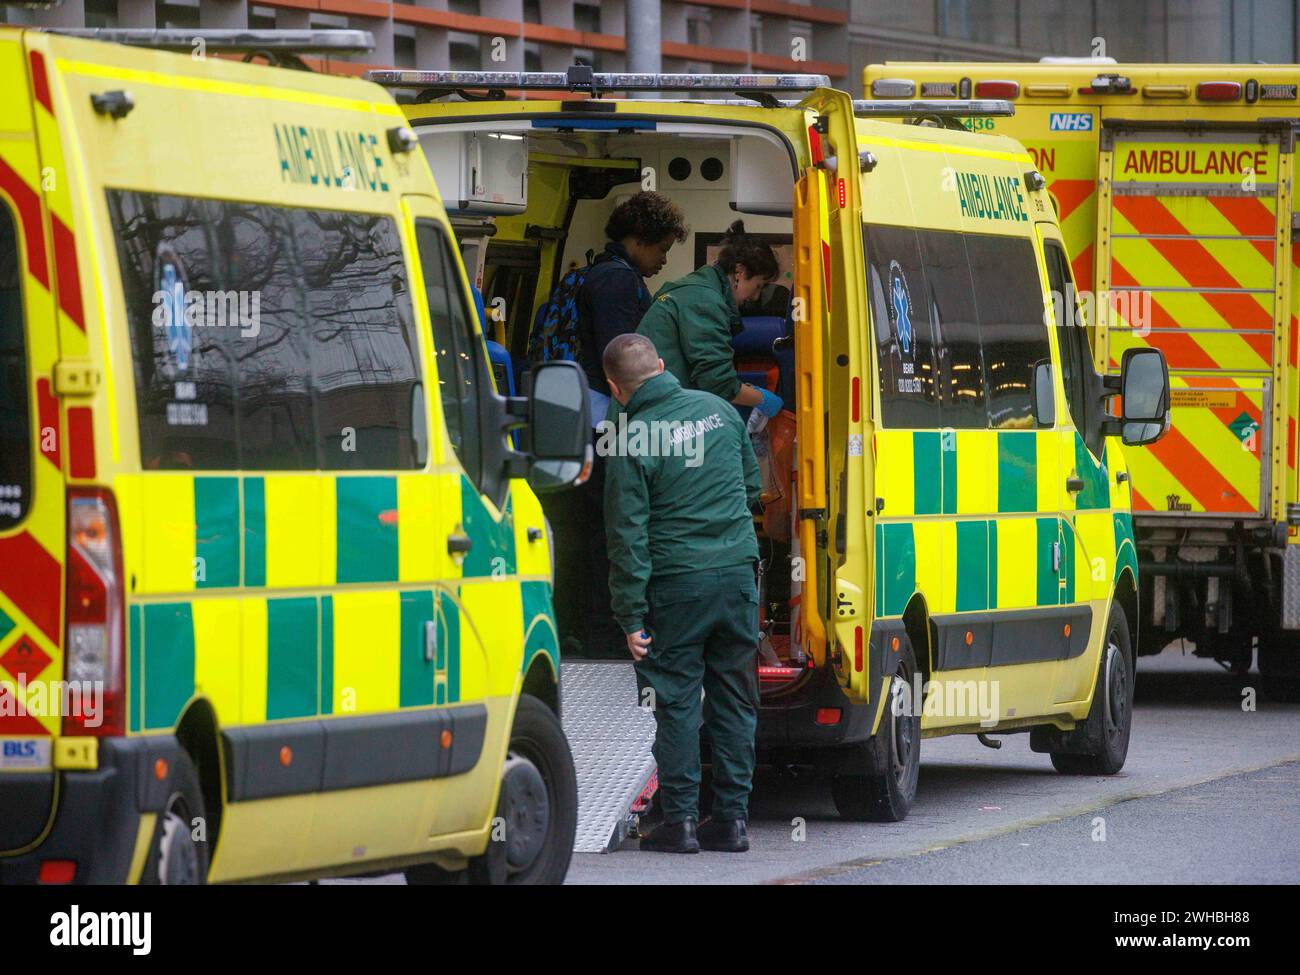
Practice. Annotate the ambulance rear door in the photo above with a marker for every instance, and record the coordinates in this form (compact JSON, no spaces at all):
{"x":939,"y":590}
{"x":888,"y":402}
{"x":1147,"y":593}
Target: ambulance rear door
{"x":833,"y":398}
{"x":1189,"y":243}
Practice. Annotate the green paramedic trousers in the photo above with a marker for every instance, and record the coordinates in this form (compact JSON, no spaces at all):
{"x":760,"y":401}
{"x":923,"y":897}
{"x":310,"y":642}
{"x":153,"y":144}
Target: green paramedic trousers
{"x":704,"y":629}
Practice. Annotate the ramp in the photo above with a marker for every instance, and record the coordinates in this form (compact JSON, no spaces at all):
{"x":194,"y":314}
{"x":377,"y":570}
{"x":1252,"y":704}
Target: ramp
{"x":611,"y":737}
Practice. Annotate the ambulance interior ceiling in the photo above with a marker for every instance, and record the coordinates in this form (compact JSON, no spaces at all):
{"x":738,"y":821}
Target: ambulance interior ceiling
{"x":715,"y":173}
{"x":714,"y":180}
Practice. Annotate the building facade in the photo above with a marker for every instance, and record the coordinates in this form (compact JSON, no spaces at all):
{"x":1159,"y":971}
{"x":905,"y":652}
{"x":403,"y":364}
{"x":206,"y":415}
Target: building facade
{"x":834,"y":37}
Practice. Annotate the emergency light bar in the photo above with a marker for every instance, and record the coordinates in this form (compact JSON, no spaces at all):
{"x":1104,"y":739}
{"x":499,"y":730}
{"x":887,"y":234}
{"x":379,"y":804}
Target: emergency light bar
{"x":234,"y":41}
{"x":934,"y":107}
{"x":582,"y":79}
{"x":913,"y":108}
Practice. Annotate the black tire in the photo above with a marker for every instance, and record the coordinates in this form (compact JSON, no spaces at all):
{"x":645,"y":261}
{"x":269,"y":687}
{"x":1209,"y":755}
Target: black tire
{"x":887,"y":797}
{"x":1279,"y":666}
{"x":175,"y":856}
{"x":538,"y":784}
{"x":1100,"y":745}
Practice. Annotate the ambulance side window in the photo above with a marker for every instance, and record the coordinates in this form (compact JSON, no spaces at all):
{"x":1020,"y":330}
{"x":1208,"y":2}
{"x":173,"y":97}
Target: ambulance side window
{"x":904,"y":341}
{"x":267,"y":338}
{"x":961,"y":375}
{"x":16,"y":447}
{"x":1070,"y":338}
{"x":455,"y":345}
{"x":184,"y":374}
{"x":255,"y":256}
{"x":364,"y":356}
{"x":1009,"y":298}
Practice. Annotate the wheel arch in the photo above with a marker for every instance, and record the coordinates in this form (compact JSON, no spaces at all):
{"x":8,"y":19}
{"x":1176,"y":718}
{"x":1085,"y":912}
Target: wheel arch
{"x":1126,"y":595}
{"x":921,"y":631}
{"x":542,"y":682}
{"x":199,"y":735}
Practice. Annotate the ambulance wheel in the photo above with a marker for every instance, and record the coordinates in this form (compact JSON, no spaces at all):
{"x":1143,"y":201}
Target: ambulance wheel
{"x":1279,"y":666}
{"x":531,"y":841}
{"x":1100,"y":745}
{"x":176,"y":857}
{"x":887,"y":796}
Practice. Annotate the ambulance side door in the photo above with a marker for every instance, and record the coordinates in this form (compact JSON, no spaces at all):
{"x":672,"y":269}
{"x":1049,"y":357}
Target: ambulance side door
{"x":1086,"y":535}
{"x":464,"y":531}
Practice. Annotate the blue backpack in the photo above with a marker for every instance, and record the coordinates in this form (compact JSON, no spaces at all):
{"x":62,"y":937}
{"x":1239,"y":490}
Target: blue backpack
{"x":555,"y":330}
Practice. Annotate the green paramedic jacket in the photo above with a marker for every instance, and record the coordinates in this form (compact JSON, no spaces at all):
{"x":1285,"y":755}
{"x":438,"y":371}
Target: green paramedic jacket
{"x":691,"y":322}
{"x":678,"y":499}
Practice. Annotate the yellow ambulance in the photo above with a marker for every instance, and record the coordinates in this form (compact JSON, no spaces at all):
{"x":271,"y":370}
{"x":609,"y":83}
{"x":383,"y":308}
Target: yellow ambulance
{"x":1173,"y":185}
{"x":274,"y":592}
{"x":956,"y":554}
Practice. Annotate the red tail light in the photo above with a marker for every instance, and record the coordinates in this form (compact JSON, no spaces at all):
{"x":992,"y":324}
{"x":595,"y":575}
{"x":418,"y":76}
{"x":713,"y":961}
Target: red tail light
{"x":997,"y":89}
{"x":57,"y":872}
{"x":1218,"y":91}
{"x":772,"y":676}
{"x":95,"y":639}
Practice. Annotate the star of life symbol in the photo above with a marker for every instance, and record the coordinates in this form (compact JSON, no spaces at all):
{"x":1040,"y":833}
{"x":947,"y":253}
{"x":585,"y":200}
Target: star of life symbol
{"x":179,"y":337}
{"x":902,"y":302}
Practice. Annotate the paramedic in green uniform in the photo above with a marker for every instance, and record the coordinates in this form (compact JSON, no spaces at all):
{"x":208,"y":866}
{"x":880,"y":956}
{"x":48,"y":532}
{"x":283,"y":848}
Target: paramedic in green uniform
{"x":692,"y":320}
{"x":680,"y":479}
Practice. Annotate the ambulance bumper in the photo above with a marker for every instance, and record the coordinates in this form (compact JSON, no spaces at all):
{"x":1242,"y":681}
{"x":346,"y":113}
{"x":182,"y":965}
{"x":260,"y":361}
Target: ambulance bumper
{"x":98,"y":811}
{"x":789,"y":732}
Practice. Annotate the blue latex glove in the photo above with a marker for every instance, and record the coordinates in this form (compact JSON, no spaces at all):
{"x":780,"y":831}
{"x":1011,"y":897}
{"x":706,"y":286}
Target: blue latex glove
{"x":771,"y":404}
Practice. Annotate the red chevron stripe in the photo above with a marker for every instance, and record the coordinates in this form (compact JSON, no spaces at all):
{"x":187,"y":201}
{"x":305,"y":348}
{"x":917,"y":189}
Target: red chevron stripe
{"x":1227,"y":415}
{"x":47,"y":415}
{"x":1139,"y":502}
{"x":33,"y":580}
{"x":20,"y":724}
{"x":65,"y":261}
{"x":1190,"y":467}
{"x":1247,"y":214}
{"x":1070,"y":193}
{"x":29,"y":216}
{"x":40,"y":82}
{"x":1082,"y":268}
{"x":1196,"y":264}
{"x":1189,"y":354}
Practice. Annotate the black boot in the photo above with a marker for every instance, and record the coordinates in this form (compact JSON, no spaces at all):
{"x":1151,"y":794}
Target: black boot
{"x":672,"y":838}
{"x":724,"y":835}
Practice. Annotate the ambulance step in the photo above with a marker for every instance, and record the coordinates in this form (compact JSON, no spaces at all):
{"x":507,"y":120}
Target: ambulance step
{"x":611,"y":737}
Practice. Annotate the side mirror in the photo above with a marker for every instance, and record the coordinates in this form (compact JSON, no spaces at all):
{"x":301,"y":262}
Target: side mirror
{"x":1044,"y":395}
{"x":559,"y":426}
{"x":1144,"y":392}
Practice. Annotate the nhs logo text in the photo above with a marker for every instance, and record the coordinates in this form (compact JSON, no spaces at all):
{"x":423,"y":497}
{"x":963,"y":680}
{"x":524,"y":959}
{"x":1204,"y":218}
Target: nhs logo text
{"x":1070,"y":122}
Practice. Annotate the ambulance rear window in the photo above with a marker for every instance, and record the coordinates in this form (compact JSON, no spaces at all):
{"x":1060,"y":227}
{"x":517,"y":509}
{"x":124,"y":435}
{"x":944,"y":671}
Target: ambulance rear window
{"x":15,"y":413}
{"x":268,"y":338}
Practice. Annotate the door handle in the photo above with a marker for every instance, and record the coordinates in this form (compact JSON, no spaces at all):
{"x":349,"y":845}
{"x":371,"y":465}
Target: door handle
{"x":1074,"y":484}
{"x":458,"y":544}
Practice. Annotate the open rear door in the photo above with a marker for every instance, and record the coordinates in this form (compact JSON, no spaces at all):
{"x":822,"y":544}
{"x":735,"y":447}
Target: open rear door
{"x":832,"y":361}
{"x":1190,"y":242}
